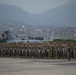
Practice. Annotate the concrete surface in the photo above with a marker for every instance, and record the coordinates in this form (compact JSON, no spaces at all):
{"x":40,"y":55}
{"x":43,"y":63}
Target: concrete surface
{"x":16,"y":66}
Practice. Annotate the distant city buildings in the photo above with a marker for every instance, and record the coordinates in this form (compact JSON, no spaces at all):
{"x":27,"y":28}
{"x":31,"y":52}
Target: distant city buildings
{"x":47,"y":32}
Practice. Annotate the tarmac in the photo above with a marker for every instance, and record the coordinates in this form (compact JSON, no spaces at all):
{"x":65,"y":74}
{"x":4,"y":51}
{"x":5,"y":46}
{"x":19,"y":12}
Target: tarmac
{"x":23,"y":66}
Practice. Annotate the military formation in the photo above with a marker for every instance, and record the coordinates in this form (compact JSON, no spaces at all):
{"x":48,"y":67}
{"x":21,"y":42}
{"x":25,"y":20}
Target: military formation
{"x":44,"y":50}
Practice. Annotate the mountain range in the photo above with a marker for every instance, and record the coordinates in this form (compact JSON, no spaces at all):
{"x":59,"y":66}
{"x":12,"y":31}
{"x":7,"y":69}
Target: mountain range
{"x":61,"y":15}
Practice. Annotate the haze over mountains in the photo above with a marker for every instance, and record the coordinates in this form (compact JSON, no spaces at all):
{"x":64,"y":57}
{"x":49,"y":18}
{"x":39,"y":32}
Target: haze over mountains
{"x":62,"y":15}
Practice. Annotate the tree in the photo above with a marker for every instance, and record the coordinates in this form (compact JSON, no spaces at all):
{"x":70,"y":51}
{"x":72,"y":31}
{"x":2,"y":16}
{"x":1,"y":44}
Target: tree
{"x":59,"y":40}
{"x":2,"y":40}
{"x":39,"y":38}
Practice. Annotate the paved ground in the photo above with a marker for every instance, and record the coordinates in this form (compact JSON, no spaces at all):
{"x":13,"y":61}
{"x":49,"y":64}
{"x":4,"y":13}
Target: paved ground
{"x":16,"y":66}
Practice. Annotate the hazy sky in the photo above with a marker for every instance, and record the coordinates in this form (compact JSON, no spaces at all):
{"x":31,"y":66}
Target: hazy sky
{"x":35,"y":6}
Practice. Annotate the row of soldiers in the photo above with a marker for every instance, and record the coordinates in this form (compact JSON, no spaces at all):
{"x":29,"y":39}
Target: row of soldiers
{"x":51,"y":50}
{"x":24,"y":53}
